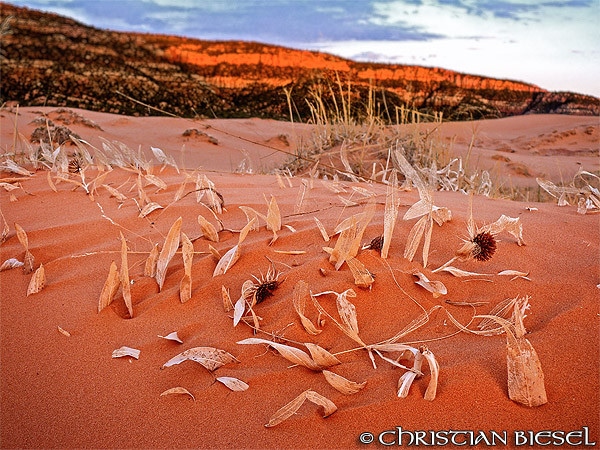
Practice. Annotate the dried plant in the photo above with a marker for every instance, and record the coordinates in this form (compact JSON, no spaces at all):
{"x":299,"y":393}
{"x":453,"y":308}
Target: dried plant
{"x":288,"y":410}
{"x":525,"y":375}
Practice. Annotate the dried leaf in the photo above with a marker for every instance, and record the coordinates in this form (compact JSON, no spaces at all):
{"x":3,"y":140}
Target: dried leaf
{"x":227,"y":303}
{"x":233,"y":383}
{"x":299,"y":296}
{"x":427,"y":241}
{"x":437,"y":288}
{"x":515,"y":274}
{"x":37,"y":282}
{"x":238,"y":310}
{"x":321,"y":356}
{"x":321,"y":229}
{"x":213,"y":251}
{"x":29,"y":263}
{"x":273,"y":218}
{"x":111,"y":285}
{"x":185,"y":286}
{"x":172,"y":337}
{"x":63,"y":331}
{"x":228,"y":260}
{"x":11,"y":263}
{"x":290,"y":252}
{"x":124,"y":275}
{"x":50,"y":182}
{"x":150,"y":266}
{"x":252,"y":216}
{"x":211,"y":358}
{"x":362,"y":277}
{"x":167,"y":252}
{"x":292,"y":407}
{"x":115,"y":193}
{"x":178,"y":390}
{"x":414,"y":238}
{"x":347,"y":310}
{"x":342,"y":384}
{"x":5,"y":228}
{"x":152,"y":206}
{"x":292,"y":354}
{"x":153,"y":179}
{"x":406,"y":380}
{"x":22,"y":236}
{"x":434,"y":368}
{"x":390,"y":214}
{"x":462,"y":273}
{"x":126,"y":351}
{"x":508,"y":224}
{"x":208,"y":229}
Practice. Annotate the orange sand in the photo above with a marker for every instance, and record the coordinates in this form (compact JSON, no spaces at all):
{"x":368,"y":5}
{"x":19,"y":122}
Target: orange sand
{"x":68,"y":392}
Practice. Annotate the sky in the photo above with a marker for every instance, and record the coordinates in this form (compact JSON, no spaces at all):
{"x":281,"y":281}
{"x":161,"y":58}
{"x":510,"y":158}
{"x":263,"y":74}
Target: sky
{"x":553,"y":44}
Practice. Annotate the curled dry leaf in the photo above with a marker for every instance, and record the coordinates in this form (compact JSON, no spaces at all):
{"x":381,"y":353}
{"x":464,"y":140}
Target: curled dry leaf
{"x":414,"y":238}
{"x":185,"y":286}
{"x":292,"y":354}
{"x":321,"y":356}
{"x":233,"y":383}
{"x":11,"y":263}
{"x":167,"y":252}
{"x":211,"y":358}
{"x":406,"y":380}
{"x":22,"y":236}
{"x":434,"y":368}
{"x":437,"y":288}
{"x":126,"y":351}
{"x":152,"y":206}
{"x":208,"y":229}
{"x":124,"y":275}
{"x":292,"y":407}
{"x":111,"y":285}
{"x":37,"y":282}
{"x":172,"y":337}
{"x":342,"y":384}
{"x":300,"y":295}
{"x":150,"y":266}
{"x":178,"y":390}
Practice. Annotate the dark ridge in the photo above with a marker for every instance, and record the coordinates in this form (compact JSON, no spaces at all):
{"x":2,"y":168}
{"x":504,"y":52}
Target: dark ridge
{"x":46,"y":59}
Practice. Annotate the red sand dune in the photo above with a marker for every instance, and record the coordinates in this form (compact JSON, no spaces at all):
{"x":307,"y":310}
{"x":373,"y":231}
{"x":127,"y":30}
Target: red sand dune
{"x":67,"y":391}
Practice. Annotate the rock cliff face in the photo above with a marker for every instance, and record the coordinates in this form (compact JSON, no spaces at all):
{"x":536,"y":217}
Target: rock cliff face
{"x":51,"y":60}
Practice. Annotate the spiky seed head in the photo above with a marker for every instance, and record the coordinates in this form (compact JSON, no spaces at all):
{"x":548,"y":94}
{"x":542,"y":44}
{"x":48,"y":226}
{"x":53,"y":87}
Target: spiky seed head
{"x":485,"y":246}
{"x":376,"y":243}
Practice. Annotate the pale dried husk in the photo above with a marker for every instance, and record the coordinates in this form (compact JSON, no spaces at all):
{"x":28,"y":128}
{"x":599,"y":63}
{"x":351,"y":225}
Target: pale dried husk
{"x":363,"y":278}
{"x":152,"y":206}
{"x":11,"y":263}
{"x":172,"y":337}
{"x":437,"y":288}
{"x":126,"y":351}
